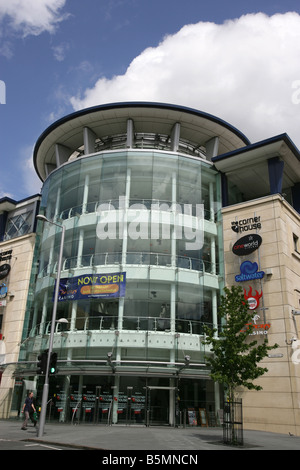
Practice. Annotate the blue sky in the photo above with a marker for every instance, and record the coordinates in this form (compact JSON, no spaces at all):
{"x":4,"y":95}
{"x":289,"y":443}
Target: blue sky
{"x":237,"y":60}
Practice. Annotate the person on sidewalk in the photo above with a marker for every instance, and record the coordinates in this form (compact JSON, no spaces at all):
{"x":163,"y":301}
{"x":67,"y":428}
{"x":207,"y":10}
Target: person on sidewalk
{"x":27,"y":407}
{"x":33,"y":413}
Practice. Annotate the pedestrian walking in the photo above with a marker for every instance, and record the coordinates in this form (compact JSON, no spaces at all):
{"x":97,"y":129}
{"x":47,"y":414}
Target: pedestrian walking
{"x":33,"y":413}
{"x":27,"y":408}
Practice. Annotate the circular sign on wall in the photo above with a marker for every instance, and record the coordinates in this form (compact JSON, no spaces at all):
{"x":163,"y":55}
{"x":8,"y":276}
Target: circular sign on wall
{"x":246,"y":245}
{"x":4,"y":270}
{"x":3,"y":291}
{"x":252,"y":303}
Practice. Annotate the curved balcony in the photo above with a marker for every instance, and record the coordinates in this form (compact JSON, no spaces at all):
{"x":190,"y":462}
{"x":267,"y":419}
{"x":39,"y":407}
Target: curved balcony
{"x":135,"y":258}
{"x":93,"y":338}
{"x":132,"y":323}
{"x":116,"y":204}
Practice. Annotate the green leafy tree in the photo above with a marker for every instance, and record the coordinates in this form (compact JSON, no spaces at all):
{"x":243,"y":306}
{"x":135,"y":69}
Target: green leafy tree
{"x":234,"y":360}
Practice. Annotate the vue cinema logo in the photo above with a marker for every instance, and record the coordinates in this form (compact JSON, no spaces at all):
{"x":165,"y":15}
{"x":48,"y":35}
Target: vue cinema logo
{"x":240,"y":226}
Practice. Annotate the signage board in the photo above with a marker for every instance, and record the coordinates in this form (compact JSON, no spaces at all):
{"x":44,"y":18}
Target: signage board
{"x":257,"y":329}
{"x":249,"y":271}
{"x":243,"y":225}
{"x":5,"y":255}
{"x":252,"y":299}
{"x":247,"y":245}
{"x":3,"y":291}
{"x":4,"y":270}
{"x":92,"y":286}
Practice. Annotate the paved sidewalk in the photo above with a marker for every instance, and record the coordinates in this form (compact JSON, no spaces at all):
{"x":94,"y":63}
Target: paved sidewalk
{"x":130,"y":438}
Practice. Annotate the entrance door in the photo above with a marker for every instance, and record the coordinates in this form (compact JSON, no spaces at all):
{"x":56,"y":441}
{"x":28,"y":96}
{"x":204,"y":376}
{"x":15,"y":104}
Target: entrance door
{"x":161,"y":406}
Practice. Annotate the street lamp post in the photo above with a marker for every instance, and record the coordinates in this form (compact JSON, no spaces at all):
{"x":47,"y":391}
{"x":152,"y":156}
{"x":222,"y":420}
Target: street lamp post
{"x":46,"y":384}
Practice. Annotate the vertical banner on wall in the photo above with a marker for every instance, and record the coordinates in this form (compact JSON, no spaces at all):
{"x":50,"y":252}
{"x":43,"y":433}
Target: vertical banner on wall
{"x":93,"y":286}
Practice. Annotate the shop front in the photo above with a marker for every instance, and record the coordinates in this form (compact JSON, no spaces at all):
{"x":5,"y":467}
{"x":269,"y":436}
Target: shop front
{"x":108,"y":400}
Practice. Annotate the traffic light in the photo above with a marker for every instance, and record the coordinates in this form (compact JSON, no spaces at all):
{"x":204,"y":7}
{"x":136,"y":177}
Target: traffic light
{"x":53,"y":360}
{"x":42,"y":363}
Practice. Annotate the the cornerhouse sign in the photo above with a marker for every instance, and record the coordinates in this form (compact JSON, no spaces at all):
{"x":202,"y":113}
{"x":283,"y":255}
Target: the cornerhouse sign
{"x":243,"y":225}
{"x":5,"y":255}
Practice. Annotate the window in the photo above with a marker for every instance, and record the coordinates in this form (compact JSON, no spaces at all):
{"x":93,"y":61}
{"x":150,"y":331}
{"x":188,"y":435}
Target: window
{"x":296,"y":243}
{"x":18,"y":225}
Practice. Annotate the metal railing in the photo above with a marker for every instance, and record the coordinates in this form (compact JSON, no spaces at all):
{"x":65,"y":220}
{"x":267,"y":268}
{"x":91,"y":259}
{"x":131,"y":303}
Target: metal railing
{"x":116,"y":204}
{"x":233,"y":423}
{"x":103,"y":322}
{"x":132,"y":258}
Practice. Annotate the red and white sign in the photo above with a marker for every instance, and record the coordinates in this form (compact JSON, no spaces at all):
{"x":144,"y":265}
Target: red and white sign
{"x":253,"y":300}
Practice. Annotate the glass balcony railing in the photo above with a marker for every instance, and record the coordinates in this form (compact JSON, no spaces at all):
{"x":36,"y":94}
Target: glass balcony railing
{"x":116,"y":204}
{"x":132,"y":323}
{"x":132,"y":258}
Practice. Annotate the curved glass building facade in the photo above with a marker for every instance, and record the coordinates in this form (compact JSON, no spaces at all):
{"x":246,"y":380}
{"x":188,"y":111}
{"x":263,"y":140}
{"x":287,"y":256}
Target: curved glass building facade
{"x":134,"y":186}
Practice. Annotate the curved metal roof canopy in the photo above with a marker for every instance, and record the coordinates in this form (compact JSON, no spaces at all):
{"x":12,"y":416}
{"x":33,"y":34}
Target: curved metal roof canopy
{"x":111,"y":119}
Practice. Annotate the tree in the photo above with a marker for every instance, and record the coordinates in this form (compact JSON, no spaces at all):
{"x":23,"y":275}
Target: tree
{"x":234,"y":361}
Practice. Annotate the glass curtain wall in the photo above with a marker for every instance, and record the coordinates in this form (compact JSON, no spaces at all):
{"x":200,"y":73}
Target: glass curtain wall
{"x":139,"y":200}
{"x":151,"y":187}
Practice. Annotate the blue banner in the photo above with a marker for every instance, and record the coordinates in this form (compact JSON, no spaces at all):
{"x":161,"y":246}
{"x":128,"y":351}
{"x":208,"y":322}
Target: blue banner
{"x":92,"y":286}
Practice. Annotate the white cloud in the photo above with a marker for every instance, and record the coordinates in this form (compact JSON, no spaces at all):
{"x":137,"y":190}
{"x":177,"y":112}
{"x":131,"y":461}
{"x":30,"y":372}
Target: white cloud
{"x":60,"y":51}
{"x":6,"y":49}
{"x":32,"y":17}
{"x":242,"y":71}
{"x":24,"y":172}
{"x":31,"y":183}
{"x":6,"y":194}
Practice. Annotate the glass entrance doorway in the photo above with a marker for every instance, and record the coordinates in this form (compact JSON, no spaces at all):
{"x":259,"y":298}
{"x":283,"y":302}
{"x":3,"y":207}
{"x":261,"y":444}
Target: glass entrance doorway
{"x":160,"y":406}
